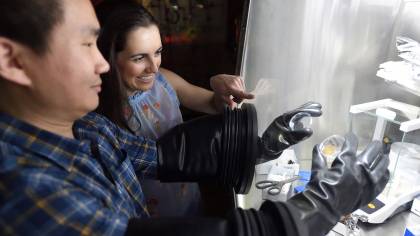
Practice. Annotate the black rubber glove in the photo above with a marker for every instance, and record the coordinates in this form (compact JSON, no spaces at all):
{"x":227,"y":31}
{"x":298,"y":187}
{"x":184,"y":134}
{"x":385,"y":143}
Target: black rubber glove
{"x":279,"y":135}
{"x":188,"y":226}
{"x":220,"y":147}
{"x":351,"y":182}
{"x":191,"y":151}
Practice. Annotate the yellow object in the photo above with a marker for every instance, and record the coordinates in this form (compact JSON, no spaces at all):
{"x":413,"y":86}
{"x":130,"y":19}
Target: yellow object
{"x":371,"y":206}
{"x":328,"y":150}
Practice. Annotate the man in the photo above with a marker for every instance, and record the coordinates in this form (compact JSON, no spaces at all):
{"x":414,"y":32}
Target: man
{"x":66,"y":171}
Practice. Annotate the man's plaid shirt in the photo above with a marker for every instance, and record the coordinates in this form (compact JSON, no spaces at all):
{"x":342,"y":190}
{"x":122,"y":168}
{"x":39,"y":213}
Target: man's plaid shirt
{"x":51,"y":185}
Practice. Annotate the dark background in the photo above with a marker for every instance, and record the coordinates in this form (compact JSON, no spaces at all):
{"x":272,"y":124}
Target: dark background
{"x":200,"y":38}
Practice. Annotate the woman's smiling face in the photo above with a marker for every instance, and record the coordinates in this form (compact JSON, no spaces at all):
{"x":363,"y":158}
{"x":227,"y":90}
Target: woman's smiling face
{"x":139,"y":62}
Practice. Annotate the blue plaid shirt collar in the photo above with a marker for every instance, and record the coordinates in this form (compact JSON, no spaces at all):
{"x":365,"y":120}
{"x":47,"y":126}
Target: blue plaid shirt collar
{"x":47,"y":144}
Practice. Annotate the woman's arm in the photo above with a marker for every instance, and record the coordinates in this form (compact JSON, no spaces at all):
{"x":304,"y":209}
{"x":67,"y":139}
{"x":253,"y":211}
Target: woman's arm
{"x":203,"y":100}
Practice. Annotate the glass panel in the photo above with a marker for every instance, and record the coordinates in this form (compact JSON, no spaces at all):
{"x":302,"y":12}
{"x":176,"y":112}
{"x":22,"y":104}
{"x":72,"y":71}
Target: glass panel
{"x":405,"y":147}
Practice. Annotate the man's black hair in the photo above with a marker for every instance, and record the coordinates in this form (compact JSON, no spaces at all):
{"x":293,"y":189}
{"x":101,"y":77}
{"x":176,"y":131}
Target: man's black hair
{"x":30,"y":22}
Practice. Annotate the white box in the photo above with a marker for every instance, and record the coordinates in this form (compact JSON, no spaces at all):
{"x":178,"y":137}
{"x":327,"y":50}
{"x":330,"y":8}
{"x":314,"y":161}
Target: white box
{"x":415,"y":208}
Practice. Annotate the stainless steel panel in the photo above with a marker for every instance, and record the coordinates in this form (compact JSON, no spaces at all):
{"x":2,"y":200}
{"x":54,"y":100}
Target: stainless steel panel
{"x":326,"y":51}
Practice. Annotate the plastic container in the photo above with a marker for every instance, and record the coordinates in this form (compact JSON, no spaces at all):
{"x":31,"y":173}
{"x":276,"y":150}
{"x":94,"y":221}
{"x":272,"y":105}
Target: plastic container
{"x":300,"y":121}
{"x":331,"y":147}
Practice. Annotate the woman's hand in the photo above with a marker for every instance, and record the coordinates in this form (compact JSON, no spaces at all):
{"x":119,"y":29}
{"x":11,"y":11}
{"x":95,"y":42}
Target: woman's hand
{"x":228,"y":89}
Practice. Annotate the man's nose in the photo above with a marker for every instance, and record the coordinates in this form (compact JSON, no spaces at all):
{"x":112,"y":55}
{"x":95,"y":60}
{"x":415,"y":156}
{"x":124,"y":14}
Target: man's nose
{"x":102,"y":66}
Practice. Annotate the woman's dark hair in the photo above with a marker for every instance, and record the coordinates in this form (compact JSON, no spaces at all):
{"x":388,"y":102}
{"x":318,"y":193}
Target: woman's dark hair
{"x":30,"y":22}
{"x":117,"y":19}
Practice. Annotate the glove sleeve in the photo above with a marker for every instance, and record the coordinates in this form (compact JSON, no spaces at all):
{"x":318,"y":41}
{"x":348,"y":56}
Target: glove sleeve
{"x":178,"y":226}
{"x":219,"y":147}
{"x":351,"y":182}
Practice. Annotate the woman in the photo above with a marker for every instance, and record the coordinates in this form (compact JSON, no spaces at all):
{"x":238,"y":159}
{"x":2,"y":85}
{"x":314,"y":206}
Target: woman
{"x":144,"y":98}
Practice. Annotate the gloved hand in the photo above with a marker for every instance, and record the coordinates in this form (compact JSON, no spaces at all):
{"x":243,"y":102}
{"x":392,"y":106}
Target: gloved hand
{"x":351,"y":182}
{"x":280,"y":135}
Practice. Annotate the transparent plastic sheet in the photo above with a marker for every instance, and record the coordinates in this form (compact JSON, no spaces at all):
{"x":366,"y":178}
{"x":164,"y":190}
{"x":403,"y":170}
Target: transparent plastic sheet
{"x":405,"y":73}
{"x":408,"y":49}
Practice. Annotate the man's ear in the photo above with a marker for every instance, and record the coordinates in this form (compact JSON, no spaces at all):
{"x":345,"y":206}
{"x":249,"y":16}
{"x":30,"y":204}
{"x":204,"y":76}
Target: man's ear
{"x":10,"y":65}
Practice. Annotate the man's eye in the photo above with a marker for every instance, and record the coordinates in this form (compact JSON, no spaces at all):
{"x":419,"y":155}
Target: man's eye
{"x":88,"y":44}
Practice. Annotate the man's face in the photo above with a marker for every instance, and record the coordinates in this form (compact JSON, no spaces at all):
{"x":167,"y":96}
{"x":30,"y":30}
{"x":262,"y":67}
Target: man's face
{"x":66,"y":80}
